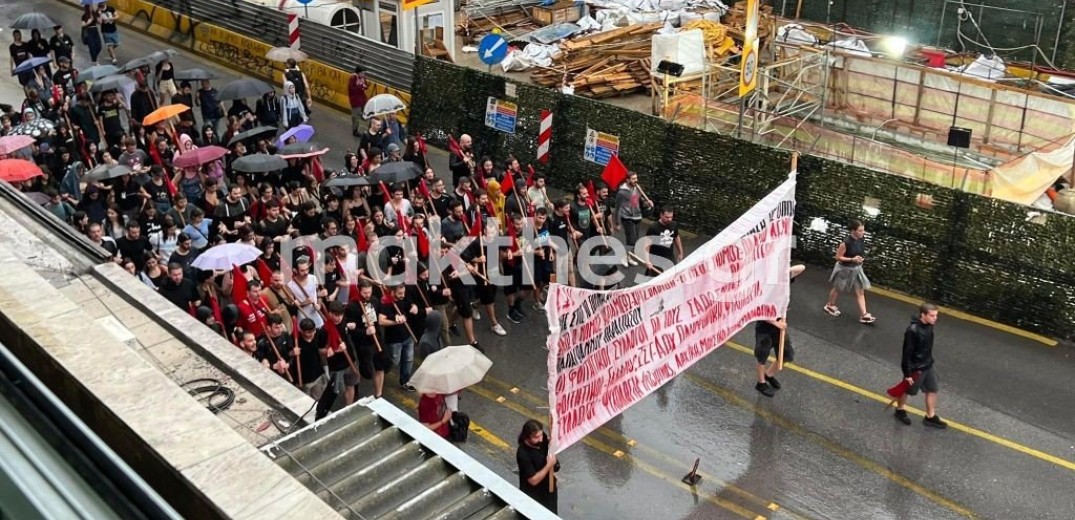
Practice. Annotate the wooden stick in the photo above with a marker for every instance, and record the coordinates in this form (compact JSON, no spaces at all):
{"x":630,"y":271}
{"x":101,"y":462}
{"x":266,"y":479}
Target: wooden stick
{"x":366,"y":321}
{"x":643,"y":262}
{"x":780,"y":348}
{"x":552,"y":470}
{"x":643,"y":193}
{"x":275,"y":350}
{"x":795,"y":155}
{"x":405,"y":324}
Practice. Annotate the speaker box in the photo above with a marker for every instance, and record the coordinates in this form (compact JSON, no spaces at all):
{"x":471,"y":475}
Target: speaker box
{"x":959,"y":137}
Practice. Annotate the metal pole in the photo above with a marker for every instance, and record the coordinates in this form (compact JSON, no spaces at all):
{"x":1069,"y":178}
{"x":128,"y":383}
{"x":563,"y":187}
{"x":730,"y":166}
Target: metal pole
{"x":742,"y":109}
{"x":306,"y":11}
{"x":1059,"y":27}
{"x":940,"y":27}
{"x":417,"y":35}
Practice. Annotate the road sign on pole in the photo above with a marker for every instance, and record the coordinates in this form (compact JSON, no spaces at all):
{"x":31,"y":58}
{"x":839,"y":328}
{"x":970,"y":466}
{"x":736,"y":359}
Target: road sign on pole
{"x":492,"y":49}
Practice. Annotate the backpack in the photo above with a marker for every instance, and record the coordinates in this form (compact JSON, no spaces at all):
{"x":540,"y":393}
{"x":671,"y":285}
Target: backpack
{"x":459,"y":428}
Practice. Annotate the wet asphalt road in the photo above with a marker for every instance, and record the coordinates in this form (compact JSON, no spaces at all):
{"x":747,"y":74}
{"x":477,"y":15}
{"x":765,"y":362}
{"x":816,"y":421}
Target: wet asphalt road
{"x":823,"y":448}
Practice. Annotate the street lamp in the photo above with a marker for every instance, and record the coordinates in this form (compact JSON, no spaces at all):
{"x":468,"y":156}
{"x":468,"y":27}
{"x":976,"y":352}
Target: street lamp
{"x":894,"y":46}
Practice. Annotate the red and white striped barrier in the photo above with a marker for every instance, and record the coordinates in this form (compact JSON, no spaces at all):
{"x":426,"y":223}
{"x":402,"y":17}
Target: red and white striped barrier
{"x":293,"y":31}
{"x":544,"y":137}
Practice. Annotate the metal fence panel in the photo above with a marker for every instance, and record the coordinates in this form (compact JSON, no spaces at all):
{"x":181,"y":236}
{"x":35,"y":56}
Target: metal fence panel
{"x":336,"y":47}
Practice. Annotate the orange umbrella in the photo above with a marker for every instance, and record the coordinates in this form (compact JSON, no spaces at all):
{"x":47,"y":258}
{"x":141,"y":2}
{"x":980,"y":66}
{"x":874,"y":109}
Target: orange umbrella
{"x":164,"y":113}
{"x":18,"y":170}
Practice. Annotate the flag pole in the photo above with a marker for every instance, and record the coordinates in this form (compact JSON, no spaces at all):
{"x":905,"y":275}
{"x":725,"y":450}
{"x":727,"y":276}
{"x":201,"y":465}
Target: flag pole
{"x":780,"y":347}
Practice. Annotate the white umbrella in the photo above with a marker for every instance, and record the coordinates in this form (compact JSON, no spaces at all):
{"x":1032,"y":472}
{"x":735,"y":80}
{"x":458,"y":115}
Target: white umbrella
{"x":450,"y":370}
{"x":282,"y":54}
{"x":225,"y":256}
{"x":382,"y":104}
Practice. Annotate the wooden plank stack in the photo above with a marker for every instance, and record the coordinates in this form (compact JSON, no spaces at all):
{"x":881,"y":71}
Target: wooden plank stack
{"x":511,"y":21}
{"x":604,"y":64}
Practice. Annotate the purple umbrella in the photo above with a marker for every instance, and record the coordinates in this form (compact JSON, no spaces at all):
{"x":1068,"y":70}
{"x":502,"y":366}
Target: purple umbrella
{"x":301,"y":133}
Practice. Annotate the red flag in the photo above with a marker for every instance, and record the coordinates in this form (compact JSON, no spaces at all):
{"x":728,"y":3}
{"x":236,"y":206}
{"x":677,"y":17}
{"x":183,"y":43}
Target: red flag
{"x":264,"y":273}
{"x":172,"y":191}
{"x":615,"y":173}
{"x":901,"y":388}
{"x":593,"y":192}
{"x":403,"y":224}
{"x":509,"y":183}
{"x":453,"y":146}
{"x":295,"y":330}
{"x":423,"y":243}
{"x":238,"y":285}
{"x":387,"y":299}
{"x":387,"y":195}
{"x":215,"y":306}
{"x":479,"y":179}
{"x":476,"y":229}
{"x":333,"y":334}
{"x":317,"y":169}
{"x":421,"y":144}
{"x":363,"y":241}
{"x":490,"y":209}
{"x":193,"y":312}
{"x":511,"y":233}
{"x":530,"y":179}
{"x":424,"y":190}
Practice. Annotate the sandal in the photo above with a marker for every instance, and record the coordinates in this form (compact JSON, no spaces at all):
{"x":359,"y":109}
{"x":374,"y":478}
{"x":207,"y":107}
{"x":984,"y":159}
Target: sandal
{"x":867,"y":319}
{"x":832,"y":310}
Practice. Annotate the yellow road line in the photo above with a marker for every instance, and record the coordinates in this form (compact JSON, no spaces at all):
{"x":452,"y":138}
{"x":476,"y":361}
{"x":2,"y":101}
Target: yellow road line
{"x":605,"y":448}
{"x":618,"y":437}
{"x":1049,"y":342}
{"x":833,"y":447}
{"x":1038,"y":454}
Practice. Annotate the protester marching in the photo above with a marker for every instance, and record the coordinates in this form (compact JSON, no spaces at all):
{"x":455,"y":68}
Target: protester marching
{"x":331,"y":273}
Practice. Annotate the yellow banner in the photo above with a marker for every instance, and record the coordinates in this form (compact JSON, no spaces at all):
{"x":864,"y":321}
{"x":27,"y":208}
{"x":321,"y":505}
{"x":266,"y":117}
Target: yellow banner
{"x":748,"y":64}
{"x":411,"y":4}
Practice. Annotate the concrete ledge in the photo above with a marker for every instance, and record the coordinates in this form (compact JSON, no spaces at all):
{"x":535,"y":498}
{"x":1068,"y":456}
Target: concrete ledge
{"x":199,"y":465}
{"x":265,"y":385}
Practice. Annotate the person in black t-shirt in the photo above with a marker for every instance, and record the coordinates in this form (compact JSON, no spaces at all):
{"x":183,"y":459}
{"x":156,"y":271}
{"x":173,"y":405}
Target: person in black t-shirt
{"x":536,"y":465}
{"x":665,"y":236}
{"x":361,"y":318}
{"x":275,"y":341}
{"x":341,"y":378}
{"x":398,"y":340}
{"x":19,"y":52}
{"x":133,"y":245}
{"x":108,"y":110}
{"x":179,"y":290}
{"x":62,"y":45}
{"x":310,"y":344}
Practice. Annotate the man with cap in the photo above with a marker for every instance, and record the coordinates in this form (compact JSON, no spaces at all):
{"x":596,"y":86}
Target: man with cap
{"x":65,"y":76}
{"x":766,"y":340}
{"x":393,"y":153}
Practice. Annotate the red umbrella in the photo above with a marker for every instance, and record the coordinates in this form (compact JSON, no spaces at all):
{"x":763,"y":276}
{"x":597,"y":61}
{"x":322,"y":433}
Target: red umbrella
{"x":18,"y":170}
{"x":199,"y":156}
{"x":10,"y":144}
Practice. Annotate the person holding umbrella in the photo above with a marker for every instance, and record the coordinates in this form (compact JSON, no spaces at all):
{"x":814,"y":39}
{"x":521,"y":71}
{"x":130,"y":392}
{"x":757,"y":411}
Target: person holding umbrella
{"x":917,"y":366}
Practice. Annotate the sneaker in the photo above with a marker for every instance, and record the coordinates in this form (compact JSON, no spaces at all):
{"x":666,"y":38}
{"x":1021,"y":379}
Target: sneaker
{"x":901,"y":416}
{"x":772,"y":382}
{"x":409,"y":388}
{"x":475,"y":345}
{"x":498,"y":330}
{"x":867,"y":319}
{"x":514,"y":316}
{"x":539,"y":307}
{"x":115,"y":61}
{"x":454,"y":330}
{"x":519,"y":310}
{"x":934,"y":422}
{"x":765,"y":389}
{"x":477,"y":315}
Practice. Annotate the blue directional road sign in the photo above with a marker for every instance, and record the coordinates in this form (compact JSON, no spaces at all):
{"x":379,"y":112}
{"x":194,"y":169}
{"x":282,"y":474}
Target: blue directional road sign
{"x":492,"y":49}
{"x":304,"y":2}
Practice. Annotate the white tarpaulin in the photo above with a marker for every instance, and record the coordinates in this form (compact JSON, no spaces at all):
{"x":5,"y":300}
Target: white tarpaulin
{"x":1025,"y":179}
{"x":610,"y":349}
{"x":686,"y":48}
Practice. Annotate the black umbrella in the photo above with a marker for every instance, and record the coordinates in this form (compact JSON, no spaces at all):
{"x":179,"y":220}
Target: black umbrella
{"x":30,"y":21}
{"x":252,"y":134}
{"x":393,"y":172}
{"x":137,"y":63}
{"x":104,"y":172}
{"x":244,"y":88}
{"x":97,"y":72}
{"x":259,"y":163}
{"x":344,"y":181}
{"x":156,"y":57}
{"x":38,"y":197}
{"x":194,"y":75}
{"x":39,"y":128}
{"x":300,"y":148}
{"x":113,"y":82}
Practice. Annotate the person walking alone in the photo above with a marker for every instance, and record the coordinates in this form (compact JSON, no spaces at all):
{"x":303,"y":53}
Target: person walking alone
{"x":917,"y":366}
{"x":847,"y":275}
{"x":356,"y":97}
{"x":629,"y":201}
{"x":536,"y":465}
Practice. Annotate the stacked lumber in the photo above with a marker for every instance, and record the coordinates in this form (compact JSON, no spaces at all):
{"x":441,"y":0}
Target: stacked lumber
{"x":516,"y":21}
{"x":604,"y":64}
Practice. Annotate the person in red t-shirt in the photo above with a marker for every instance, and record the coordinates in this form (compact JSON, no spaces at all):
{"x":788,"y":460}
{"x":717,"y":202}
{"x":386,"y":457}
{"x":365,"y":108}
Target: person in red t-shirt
{"x":434,"y":414}
{"x":253,"y":309}
{"x":356,"y":94}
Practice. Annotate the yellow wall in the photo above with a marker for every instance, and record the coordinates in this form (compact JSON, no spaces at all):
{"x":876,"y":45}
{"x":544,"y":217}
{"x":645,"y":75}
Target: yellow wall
{"x":245,"y":55}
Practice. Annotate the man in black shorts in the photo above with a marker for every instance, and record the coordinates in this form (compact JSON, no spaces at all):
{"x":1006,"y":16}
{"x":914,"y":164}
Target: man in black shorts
{"x":514,"y":264}
{"x":917,"y":366}
{"x":341,"y":378}
{"x":767,"y":341}
{"x":361,"y":318}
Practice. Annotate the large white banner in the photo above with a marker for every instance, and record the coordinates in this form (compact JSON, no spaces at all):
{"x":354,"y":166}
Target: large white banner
{"x":610,"y":349}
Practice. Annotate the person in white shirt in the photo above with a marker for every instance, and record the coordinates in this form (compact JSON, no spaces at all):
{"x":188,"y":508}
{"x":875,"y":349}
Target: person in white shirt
{"x":304,"y":287}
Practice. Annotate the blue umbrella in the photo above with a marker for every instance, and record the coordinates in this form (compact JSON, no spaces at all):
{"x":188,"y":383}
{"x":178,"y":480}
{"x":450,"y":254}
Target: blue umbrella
{"x":301,"y":133}
{"x":30,"y":64}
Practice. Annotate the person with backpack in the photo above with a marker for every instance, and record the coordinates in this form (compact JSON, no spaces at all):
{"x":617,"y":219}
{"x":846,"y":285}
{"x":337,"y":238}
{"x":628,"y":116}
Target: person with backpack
{"x":295,"y":75}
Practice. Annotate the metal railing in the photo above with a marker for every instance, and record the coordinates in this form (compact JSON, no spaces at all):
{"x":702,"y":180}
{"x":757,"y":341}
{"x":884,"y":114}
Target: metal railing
{"x":337,"y":47}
